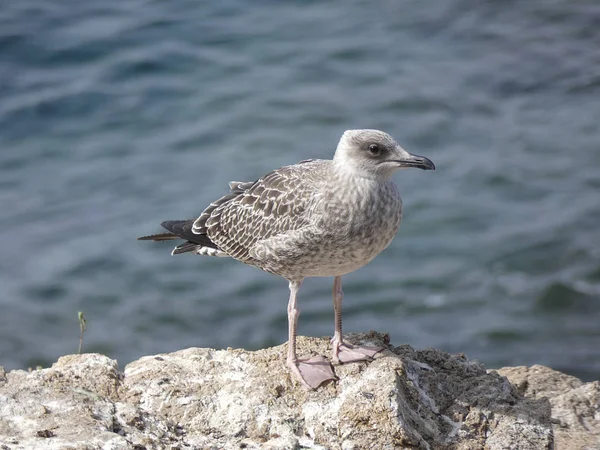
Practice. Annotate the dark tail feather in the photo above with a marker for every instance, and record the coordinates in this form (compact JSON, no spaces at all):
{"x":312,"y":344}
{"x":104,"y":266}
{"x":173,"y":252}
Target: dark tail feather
{"x":184,"y":248}
{"x":159,"y":237}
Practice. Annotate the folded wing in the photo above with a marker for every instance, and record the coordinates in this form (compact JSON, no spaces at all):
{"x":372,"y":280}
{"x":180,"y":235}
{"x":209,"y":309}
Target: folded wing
{"x":274,"y":204}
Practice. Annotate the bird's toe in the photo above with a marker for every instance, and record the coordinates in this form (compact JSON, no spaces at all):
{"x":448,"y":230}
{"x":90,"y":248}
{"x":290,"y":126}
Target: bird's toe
{"x":354,"y":353}
{"x":312,"y":372}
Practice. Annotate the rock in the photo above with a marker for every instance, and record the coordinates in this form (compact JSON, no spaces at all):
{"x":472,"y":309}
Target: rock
{"x":232,"y":399}
{"x":575,"y":405}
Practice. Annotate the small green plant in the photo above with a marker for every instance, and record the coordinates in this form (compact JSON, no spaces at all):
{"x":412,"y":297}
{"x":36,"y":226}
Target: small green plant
{"x":82,"y":323}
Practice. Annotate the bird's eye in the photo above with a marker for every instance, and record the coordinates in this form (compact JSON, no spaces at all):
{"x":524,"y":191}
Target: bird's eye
{"x":374,"y":149}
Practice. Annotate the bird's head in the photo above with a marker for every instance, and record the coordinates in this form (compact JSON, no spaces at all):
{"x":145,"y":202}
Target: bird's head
{"x":376,"y":154}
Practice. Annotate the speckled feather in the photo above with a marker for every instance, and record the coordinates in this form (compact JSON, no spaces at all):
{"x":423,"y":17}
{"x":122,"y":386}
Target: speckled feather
{"x":253,"y":212}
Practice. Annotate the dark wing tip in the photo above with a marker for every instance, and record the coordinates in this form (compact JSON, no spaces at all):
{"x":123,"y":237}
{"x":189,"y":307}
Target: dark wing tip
{"x":177,"y":226}
{"x":183,"y":229}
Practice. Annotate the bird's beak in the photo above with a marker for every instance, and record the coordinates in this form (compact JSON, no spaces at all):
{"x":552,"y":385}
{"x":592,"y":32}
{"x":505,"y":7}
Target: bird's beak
{"x":410,"y":160}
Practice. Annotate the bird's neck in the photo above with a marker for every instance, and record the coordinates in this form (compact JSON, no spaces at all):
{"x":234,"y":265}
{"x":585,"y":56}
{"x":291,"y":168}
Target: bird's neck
{"x":359,"y":186}
{"x":349,"y":172}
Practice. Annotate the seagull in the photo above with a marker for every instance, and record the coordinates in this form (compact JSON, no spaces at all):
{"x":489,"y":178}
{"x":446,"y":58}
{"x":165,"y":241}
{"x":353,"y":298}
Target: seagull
{"x":316,"y":218}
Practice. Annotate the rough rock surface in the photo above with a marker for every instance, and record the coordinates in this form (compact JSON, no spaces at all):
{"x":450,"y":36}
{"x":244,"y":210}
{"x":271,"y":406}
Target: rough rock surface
{"x":231,"y":399}
{"x":575,"y":405}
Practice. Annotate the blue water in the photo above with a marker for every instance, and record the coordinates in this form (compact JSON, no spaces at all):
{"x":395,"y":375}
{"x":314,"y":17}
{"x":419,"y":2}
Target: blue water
{"x":118,"y":114}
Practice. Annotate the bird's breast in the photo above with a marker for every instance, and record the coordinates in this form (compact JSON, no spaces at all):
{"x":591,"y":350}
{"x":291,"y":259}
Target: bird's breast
{"x":357,"y":225}
{"x":363,"y":208}
{"x":346,"y":228}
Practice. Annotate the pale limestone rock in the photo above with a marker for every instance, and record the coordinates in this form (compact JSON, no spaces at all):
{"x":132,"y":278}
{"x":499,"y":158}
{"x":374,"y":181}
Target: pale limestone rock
{"x":575,"y":405}
{"x":231,"y":399}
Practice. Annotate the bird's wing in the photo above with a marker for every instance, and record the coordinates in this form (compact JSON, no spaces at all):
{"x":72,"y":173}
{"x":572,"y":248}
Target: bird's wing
{"x":274,"y":204}
{"x":236,"y":188}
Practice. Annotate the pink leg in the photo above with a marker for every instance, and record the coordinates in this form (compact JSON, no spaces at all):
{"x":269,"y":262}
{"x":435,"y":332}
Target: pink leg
{"x":342,"y":352}
{"x":311,"y":372}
